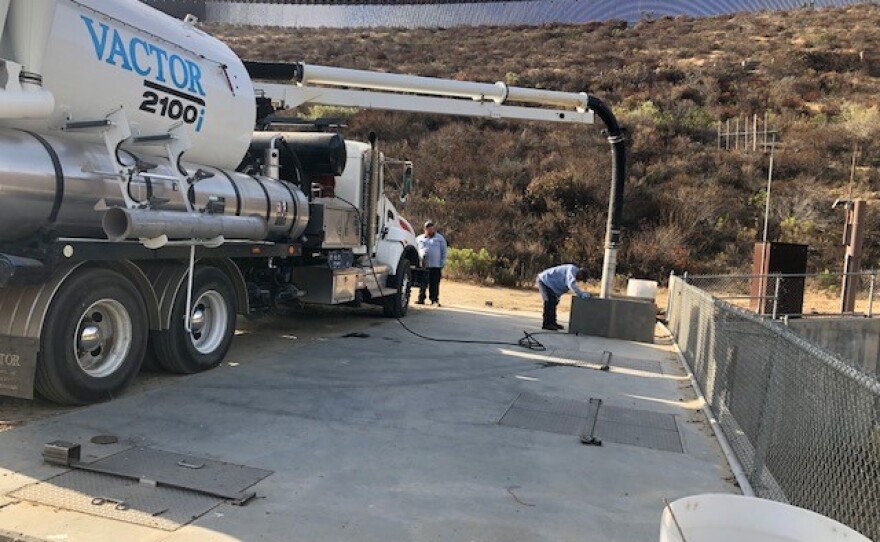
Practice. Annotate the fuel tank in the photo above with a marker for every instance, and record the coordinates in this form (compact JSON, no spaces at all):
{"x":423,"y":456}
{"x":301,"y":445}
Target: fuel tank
{"x":107,"y":54}
{"x":61,"y":186}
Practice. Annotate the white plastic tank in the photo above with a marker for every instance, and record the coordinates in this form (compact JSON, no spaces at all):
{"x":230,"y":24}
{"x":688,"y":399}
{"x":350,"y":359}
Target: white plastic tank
{"x":106,"y":54}
{"x":734,"y":518}
{"x":645,"y":289}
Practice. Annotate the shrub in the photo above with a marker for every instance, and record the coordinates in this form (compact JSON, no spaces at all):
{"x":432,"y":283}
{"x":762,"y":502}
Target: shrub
{"x":467,"y":263}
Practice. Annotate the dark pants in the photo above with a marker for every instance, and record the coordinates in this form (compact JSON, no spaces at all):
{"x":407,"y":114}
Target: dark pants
{"x":432,"y":285}
{"x":551,"y":300}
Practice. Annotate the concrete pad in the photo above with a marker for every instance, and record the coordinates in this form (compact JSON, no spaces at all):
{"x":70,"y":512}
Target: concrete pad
{"x":392,"y":437}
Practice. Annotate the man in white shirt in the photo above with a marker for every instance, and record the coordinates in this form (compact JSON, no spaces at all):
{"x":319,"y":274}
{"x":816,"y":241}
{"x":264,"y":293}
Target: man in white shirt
{"x":432,"y":253}
{"x":554,"y":282}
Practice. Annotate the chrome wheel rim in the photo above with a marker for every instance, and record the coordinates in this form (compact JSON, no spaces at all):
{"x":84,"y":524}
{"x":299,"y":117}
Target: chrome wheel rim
{"x":406,"y":291}
{"x":102,"y":338}
{"x":209,"y":319}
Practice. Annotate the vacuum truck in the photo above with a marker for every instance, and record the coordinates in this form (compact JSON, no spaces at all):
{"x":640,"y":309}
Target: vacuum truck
{"x":140,"y":211}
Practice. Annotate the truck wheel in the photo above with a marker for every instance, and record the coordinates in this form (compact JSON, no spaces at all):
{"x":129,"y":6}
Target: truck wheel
{"x":397,"y":304}
{"x":212,"y":325}
{"x":93,"y":339}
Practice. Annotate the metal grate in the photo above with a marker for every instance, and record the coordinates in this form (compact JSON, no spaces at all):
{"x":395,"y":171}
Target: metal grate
{"x":158,"y":507}
{"x":195,"y":473}
{"x":803,"y":422}
{"x":619,"y":425}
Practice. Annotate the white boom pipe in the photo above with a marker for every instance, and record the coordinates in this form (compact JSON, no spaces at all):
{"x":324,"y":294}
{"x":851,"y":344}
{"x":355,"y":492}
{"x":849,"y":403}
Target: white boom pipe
{"x":361,"y":83}
{"x":498,"y":92}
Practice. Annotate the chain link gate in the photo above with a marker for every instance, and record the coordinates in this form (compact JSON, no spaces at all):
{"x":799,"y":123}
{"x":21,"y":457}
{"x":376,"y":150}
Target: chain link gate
{"x":804,"y":423}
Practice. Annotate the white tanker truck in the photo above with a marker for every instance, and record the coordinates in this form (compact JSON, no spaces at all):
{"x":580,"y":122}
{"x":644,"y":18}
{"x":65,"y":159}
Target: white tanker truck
{"x":140,"y":212}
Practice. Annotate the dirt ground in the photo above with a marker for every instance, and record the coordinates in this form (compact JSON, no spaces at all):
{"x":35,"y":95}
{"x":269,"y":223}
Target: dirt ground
{"x":467,"y":294}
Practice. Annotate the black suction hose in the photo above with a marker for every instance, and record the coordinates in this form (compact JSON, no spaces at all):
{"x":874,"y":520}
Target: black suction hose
{"x":618,"y":169}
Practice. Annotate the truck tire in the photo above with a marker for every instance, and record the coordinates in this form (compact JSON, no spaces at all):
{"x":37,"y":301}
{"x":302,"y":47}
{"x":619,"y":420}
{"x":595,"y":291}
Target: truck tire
{"x":397,"y":304}
{"x":213,"y":325}
{"x":93,"y":339}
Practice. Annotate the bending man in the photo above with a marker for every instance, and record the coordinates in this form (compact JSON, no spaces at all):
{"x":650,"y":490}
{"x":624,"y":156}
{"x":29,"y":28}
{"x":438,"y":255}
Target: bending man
{"x":553,"y":283}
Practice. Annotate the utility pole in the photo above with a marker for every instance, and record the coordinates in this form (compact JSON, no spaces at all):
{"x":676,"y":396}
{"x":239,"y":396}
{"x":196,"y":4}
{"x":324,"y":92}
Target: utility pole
{"x":853,"y":239}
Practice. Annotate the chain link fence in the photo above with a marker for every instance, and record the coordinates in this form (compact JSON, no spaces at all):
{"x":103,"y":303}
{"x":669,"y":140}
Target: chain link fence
{"x":798,"y":295}
{"x":803,"y":423}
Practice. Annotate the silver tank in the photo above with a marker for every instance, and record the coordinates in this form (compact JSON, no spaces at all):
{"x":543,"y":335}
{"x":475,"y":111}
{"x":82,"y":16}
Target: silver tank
{"x":56,"y":185}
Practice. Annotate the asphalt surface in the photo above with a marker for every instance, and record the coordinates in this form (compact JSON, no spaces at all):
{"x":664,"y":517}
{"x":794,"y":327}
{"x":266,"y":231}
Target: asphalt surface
{"x":386,"y":436}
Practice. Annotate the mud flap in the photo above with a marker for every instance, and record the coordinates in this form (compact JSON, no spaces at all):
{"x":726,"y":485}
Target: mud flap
{"x":18,"y":366}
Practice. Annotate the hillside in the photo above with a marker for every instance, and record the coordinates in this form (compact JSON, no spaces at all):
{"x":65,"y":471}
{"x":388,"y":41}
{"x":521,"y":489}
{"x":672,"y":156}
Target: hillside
{"x":533,"y":194}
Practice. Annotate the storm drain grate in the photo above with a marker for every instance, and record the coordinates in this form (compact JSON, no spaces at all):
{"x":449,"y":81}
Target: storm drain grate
{"x":158,"y":507}
{"x":619,"y":425}
{"x":635,"y":427}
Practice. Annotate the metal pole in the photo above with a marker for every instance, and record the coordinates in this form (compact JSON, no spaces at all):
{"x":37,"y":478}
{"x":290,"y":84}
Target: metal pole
{"x":766,"y":119}
{"x":764,"y":249}
{"x":755,"y":132}
{"x":727,"y":134}
{"x":853,"y":263}
{"x":719,"y":134}
{"x":871,"y":294}
{"x":776,"y":296}
{"x":736,"y":135}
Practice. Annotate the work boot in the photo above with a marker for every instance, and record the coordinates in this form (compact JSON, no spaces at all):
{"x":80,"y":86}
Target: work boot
{"x":550,"y":327}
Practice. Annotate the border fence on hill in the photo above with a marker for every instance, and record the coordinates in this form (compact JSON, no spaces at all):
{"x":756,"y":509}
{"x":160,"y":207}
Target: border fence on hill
{"x":803,"y":423}
{"x":446,"y":13}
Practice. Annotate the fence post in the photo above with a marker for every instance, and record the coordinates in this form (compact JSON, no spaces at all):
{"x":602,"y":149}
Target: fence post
{"x":669,"y":295}
{"x":776,"y":296}
{"x":871,"y":294}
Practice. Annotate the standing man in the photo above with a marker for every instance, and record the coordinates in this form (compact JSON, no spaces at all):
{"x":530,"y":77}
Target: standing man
{"x":554,"y":282}
{"x":432,"y":253}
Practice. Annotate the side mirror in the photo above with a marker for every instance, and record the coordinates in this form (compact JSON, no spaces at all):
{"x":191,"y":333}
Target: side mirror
{"x":408,"y":180}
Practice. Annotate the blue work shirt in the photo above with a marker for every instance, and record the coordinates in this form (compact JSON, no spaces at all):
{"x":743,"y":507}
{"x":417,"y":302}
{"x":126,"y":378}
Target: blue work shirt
{"x":432,"y":250}
{"x":561,"y":279}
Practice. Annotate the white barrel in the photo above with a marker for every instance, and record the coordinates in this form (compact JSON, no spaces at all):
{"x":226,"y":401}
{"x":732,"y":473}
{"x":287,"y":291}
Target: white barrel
{"x":734,"y":518}
{"x":107,"y":54}
{"x":645,"y":289}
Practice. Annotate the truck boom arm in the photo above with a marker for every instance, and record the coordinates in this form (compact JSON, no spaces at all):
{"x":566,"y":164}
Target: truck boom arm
{"x":309,"y":84}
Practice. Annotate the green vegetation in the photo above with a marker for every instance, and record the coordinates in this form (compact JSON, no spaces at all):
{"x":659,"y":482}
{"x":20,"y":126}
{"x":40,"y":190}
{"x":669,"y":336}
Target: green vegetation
{"x":534,"y":195}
